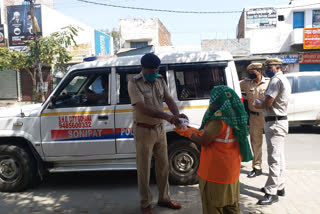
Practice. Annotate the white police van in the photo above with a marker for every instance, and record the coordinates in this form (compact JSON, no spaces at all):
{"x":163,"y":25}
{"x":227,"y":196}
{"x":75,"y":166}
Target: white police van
{"x":74,"y":131}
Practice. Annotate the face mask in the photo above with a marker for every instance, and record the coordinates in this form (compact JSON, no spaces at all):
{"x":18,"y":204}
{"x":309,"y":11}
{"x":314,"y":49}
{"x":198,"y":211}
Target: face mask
{"x":269,"y":72}
{"x":253,"y":76}
{"x":151,"y":77}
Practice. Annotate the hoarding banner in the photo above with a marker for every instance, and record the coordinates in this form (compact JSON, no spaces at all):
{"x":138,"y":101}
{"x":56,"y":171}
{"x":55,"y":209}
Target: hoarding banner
{"x":102,"y":43}
{"x":311,"y":38}
{"x":286,"y":58}
{"x":2,"y":38}
{"x":309,"y":58}
{"x":316,"y":18}
{"x":20,"y":24}
{"x":261,"y":18}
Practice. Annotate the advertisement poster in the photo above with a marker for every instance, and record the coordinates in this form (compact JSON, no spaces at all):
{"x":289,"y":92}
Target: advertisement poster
{"x":20,"y":24}
{"x":261,"y":18}
{"x":309,"y":58}
{"x":311,"y":38}
{"x":316,"y":18}
{"x":102,"y":43}
{"x":2,"y":38}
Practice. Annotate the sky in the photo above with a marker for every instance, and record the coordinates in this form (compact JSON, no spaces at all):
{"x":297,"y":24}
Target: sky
{"x":185,"y":29}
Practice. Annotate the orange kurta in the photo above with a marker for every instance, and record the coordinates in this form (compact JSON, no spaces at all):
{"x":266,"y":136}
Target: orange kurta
{"x":220,"y":161}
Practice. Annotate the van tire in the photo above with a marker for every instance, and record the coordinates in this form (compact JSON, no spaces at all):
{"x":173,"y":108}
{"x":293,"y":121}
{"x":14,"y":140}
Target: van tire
{"x":184,"y":159}
{"x":17,"y":169}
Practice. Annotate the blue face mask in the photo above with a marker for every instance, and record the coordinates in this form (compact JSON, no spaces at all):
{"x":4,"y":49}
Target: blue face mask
{"x":252,"y":76}
{"x":151,"y":77}
{"x":269,"y":72}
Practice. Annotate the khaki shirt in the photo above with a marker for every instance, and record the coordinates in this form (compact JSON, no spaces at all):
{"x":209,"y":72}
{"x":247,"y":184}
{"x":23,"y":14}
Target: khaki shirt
{"x":279,"y":89}
{"x":254,"y":91}
{"x":152,"y":94}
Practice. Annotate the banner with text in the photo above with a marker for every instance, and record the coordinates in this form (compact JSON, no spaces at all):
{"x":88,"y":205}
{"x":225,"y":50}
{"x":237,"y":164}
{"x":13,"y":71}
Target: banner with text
{"x":261,"y":18}
{"x":311,"y":38}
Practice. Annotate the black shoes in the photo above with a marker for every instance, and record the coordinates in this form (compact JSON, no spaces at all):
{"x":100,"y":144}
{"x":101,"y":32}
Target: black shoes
{"x":279,"y":192}
{"x":254,"y":173}
{"x":268,"y":199}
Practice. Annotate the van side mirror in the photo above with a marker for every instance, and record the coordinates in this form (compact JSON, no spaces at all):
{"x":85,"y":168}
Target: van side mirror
{"x":52,"y":102}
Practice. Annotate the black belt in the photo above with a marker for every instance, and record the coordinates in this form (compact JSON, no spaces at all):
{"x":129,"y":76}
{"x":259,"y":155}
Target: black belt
{"x":254,"y":113}
{"x":274,"y":118}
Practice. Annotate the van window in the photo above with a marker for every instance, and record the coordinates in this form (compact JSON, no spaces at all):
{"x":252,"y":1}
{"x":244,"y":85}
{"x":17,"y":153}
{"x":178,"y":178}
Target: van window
{"x":124,"y":74}
{"x":197,"y":82}
{"x":308,"y":84}
{"x":85,"y":90}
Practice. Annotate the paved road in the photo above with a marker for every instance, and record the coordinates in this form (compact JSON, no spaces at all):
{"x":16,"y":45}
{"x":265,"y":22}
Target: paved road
{"x":116,"y":192}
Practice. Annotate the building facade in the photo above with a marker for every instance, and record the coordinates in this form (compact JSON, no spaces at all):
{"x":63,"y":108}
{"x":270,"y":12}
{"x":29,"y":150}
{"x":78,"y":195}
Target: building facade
{"x":139,"y":33}
{"x":290,"y":32}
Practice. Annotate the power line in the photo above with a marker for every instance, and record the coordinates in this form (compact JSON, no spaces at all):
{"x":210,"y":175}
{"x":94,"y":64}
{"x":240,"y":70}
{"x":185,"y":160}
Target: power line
{"x":184,"y":11}
{"x":159,"y":10}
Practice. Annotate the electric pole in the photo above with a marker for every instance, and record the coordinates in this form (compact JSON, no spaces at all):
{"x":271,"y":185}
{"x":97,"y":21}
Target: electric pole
{"x":37,"y":62}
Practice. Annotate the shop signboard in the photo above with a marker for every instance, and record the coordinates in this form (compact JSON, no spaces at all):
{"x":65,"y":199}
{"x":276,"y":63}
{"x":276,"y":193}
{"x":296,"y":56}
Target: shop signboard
{"x":309,"y":58}
{"x":20,"y":25}
{"x":2,"y":38}
{"x":311,"y":38}
{"x":261,"y":18}
{"x":102,"y":43}
{"x":286,"y":58}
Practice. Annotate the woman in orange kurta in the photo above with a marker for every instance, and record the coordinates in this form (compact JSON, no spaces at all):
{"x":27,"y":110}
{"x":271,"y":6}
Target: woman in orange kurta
{"x":224,"y":145}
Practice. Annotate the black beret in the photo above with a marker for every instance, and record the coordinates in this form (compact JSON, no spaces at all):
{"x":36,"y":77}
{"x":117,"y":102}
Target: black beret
{"x":150,"y":61}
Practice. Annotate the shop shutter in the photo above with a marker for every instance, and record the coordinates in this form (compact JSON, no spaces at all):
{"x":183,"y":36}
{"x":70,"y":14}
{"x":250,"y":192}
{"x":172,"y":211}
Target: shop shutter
{"x":8,"y":85}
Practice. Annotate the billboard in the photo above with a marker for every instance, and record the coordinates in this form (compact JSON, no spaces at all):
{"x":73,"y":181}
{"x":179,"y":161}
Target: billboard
{"x":311,"y":38}
{"x":316,"y":18}
{"x":102,"y":43}
{"x":2,"y":38}
{"x":261,"y":18}
{"x":20,"y":29}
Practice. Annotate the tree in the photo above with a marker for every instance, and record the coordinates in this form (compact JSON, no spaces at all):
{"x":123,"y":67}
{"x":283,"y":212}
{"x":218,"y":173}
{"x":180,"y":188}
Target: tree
{"x":115,"y":34}
{"x":52,"y":50}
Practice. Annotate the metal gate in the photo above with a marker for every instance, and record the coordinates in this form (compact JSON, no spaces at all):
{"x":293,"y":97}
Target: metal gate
{"x":8,"y":85}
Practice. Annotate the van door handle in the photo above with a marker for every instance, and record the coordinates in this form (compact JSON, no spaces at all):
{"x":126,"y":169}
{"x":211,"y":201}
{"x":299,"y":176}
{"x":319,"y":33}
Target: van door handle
{"x":103,"y":117}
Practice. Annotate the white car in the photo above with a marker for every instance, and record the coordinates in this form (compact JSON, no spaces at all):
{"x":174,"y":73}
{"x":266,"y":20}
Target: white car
{"x":304,"y":104}
{"x":72,"y":131}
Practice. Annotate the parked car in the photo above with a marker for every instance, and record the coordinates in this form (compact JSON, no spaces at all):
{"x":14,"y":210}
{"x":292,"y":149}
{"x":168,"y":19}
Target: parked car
{"x":71,"y":131}
{"x":304,"y":104}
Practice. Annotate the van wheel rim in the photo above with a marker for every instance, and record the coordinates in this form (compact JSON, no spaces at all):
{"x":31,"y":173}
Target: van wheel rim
{"x":183,"y":162}
{"x":9,"y":170}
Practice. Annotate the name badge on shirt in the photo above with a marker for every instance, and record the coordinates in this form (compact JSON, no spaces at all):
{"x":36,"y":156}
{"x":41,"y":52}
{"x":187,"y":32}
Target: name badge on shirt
{"x":147,"y":91}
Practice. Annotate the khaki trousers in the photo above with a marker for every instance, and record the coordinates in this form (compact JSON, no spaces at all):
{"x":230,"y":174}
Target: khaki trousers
{"x":219,"y":198}
{"x":256,"y":134}
{"x":148,"y":142}
{"x":276,"y":132}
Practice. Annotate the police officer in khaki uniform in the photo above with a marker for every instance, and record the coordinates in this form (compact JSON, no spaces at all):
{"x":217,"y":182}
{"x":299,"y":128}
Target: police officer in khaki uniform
{"x":147,"y":92}
{"x":255,"y":87}
{"x":276,"y":128}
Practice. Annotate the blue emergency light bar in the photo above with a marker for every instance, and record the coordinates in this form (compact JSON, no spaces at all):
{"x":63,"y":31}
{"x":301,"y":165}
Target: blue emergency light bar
{"x":91,"y":58}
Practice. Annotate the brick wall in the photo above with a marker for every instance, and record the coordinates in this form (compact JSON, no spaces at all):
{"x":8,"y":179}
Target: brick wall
{"x":163,"y":35}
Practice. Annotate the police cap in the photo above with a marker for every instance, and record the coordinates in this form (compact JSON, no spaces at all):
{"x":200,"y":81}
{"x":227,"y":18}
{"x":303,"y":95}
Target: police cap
{"x":254,"y":66}
{"x":273,"y":61}
{"x":150,"y":61}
